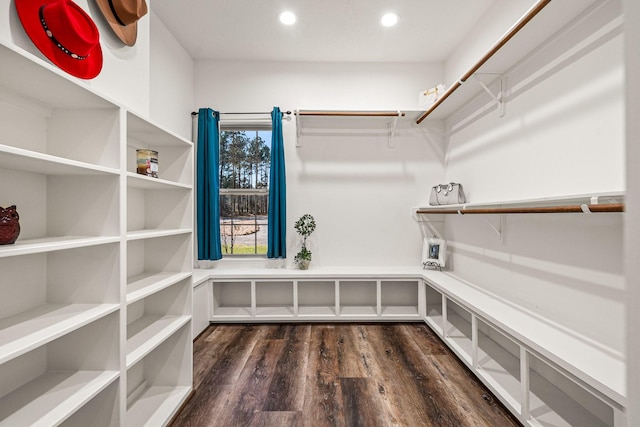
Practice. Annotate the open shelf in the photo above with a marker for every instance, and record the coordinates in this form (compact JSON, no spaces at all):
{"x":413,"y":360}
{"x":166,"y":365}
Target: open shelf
{"x":232,"y":299}
{"x":52,"y":397}
{"x":48,"y":384}
{"x":458,"y":331}
{"x":102,"y":410}
{"x":159,"y":383}
{"x":154,"y":319}
{"x":557,"y":401}
{"x":147,"y":283}
{"x":399,"y":298}
{"x":358,"y":298}
{"x":156,"y":404}
{"x":146,"y":333}
{"x":175,"y":154}
{"x":33,"y":328}
{"x":499,"y":365}
{"x":316,"y":298}
{"x":14,"y":158}
{"x":274,"y":298}
{"x":50,"y":244}
{"x":434,"y":311}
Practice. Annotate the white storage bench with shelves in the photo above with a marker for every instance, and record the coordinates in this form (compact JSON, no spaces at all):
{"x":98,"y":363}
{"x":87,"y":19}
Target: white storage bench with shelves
{"x":317,"y":294}
{"x":545,"y":374}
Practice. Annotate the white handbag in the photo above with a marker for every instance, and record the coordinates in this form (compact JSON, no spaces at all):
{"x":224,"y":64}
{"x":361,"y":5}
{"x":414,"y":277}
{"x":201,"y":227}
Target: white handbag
{"x":447,"y":194}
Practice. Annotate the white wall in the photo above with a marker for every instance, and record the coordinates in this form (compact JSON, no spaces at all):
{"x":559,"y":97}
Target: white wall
{"x":359,"y":190}
{"x":490,"y":27}
{"x":632,"y":225}
{"x":562,"y":134}
{"x":170,"y":80}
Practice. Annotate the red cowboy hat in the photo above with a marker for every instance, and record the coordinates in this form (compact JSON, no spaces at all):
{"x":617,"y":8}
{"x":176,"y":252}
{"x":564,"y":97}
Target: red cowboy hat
{"x":122,"y":16}
{"x":64,"y":33}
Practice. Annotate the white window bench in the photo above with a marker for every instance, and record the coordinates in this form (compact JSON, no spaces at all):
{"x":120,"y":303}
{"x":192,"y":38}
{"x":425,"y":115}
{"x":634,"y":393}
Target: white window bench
{"x":542,"y":372}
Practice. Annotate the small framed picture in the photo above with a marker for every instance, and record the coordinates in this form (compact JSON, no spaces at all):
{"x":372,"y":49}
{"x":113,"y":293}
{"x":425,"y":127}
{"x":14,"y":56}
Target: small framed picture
{"x":434,"y":253}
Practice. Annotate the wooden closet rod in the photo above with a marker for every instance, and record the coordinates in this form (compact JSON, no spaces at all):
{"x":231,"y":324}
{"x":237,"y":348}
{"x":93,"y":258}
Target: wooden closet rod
{"x":609,"y":207}
{"x":496,"y":47}
{"x":352,"y":113}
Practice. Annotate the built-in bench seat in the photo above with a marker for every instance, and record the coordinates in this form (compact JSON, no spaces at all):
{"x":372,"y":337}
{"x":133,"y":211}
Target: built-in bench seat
{"x":543,"y":372}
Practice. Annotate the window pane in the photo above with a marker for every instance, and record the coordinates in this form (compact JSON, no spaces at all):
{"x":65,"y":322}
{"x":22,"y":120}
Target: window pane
{"x":243,"y":224}
{"x":244,"y":167}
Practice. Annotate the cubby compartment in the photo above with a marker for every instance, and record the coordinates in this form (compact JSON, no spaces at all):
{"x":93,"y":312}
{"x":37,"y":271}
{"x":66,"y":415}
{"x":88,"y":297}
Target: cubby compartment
{"x":101,"y":411}
{"x":458,"y":330}
{"x":232,"y":299}
{"x":316,"y":298}
{"x":46,"y":385}
{"x":155,"y":263}
{"x":151,"y":320}
{"x":433,"y":307}
{"x":499,"y":364}
{"x":399,"y":298}
{"x":159,"y":383}
{"x":358,"y":298}
{"x":47,"y":115}
{"x":274,"y":298}
{"x":556,"y":400}
{"x":152,"y":208}
{"x":175,"y":154}
{"x":45,"y":295}
{"x":60,"y":211}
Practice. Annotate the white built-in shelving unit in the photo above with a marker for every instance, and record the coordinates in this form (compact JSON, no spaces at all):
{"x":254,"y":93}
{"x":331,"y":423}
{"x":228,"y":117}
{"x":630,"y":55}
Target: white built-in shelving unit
{"x":322,"y":294}
{"x":95,"y":297}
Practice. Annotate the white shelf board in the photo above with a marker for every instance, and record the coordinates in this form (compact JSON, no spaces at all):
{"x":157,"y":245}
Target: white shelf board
{"x":274,"y":311}
{"x":584,"y":198}
{"x":601,"y":368}
{"x":48,"y":244}
{"x":400,"y":311}
{"x":135,"y":180}
{"x":151,"y":234}
{"x":151,"y":134}
{"x":232,"y":312}
{"x":32,"y":77}
{"x":52,"y":397}
{"x":148,"y":332}
{"x":145,"y":284}
{"x":30,"y":161}
{"x":316,"y":311}
{"x":28,"y":330}
{"x":358,"y":311}
{"x":156,"y":405}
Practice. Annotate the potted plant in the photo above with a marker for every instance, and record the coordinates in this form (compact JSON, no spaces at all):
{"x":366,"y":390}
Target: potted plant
{"x":304,"y":226}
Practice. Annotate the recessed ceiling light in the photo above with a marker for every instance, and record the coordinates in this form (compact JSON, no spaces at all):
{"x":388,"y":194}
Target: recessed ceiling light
{"x":287,"y":18}
{"x":389,"y":19}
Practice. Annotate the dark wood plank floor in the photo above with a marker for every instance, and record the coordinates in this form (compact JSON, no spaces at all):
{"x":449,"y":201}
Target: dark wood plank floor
{"x":333,"y":375}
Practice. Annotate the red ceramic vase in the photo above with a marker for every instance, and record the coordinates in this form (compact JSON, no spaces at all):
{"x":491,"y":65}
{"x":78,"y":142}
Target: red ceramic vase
{"x":9,"y":225}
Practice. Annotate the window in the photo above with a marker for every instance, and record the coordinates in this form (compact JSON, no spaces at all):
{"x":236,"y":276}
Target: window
{"x":245,"y":159}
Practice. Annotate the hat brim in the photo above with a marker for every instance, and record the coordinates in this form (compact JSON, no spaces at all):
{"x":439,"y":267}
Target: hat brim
{"x":28,"y":12}
{"x":127,"y":33}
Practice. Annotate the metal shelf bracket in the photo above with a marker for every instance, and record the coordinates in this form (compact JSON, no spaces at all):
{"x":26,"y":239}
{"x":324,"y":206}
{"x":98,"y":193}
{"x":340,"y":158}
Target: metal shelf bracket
{"x":497,"y":98}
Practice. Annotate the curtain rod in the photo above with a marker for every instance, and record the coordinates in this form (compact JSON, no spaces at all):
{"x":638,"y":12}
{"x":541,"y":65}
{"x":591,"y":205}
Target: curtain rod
{"x":195,"y":113}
